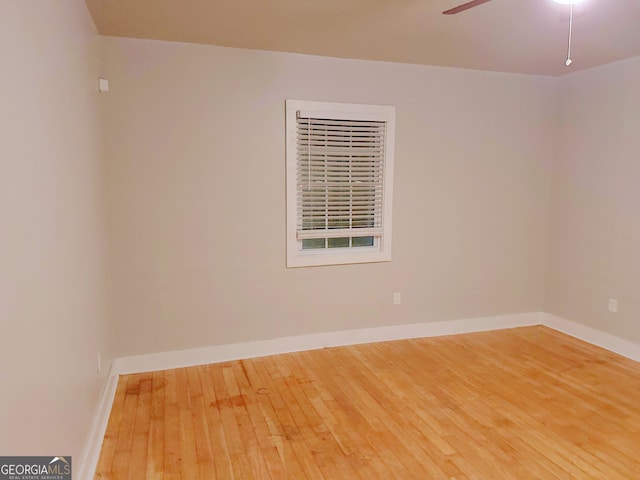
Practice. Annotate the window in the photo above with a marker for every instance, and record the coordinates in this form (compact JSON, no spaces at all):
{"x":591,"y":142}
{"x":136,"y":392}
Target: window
{"x":339,"y":183}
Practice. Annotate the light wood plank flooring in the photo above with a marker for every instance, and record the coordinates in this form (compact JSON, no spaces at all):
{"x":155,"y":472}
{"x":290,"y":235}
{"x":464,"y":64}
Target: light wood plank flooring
{"x":526,"y":403}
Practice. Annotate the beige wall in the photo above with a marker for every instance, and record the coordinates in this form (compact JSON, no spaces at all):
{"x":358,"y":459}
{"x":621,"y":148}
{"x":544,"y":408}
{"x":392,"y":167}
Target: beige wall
{"x":195,"y":149}
{"x":595,"y":222}
{"x":51,"y":228}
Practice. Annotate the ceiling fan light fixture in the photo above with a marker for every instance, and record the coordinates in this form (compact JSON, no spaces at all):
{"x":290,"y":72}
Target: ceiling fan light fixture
{"x":567,"y":2}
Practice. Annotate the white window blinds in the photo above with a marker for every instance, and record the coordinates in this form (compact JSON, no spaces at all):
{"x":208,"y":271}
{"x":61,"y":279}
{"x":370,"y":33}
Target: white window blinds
{"x":340,"y":177}
{"x":339,"y":165}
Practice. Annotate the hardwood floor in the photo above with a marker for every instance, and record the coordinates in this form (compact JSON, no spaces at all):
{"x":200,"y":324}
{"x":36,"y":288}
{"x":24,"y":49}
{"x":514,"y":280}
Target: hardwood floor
{"x":526,"y":403}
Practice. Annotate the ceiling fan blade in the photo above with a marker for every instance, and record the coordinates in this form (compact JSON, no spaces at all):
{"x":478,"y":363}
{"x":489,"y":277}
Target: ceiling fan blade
{"x":464,"y":6}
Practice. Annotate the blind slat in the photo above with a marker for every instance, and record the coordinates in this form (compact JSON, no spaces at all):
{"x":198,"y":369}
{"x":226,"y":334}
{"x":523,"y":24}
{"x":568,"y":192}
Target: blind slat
{"x":338,"y":233}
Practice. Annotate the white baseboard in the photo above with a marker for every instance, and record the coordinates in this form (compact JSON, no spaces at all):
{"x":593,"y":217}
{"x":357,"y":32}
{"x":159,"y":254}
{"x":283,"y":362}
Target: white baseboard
{"x":593,"y":336}
{"x":89,"y":460}
{"x":222,"y":353}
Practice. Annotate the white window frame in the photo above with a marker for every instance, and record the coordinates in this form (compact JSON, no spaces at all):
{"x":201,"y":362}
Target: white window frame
{"x":381,"y":250}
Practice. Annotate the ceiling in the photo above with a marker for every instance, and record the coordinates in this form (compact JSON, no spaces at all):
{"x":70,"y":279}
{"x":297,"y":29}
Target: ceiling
{"x":520,"y":36}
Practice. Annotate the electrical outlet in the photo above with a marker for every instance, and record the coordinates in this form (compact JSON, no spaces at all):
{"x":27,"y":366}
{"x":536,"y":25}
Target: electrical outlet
{"x":613,"y":305}
{"x":397,"y":298}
